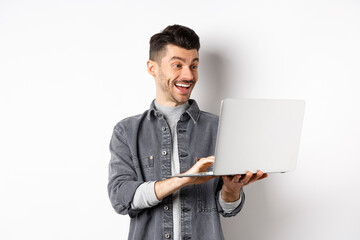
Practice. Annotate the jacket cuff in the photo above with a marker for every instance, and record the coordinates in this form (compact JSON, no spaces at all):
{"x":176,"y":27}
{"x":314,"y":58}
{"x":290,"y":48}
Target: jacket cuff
{"x":235,"y":211}
{"x":228,"y":207}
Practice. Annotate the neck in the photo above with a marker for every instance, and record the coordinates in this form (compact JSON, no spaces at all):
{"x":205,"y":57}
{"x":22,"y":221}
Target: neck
{"x":171,"y":112}
{"x":169,"y":103}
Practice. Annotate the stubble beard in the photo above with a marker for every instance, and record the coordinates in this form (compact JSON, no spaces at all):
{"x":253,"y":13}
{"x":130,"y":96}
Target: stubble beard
{"x":167,"y":86}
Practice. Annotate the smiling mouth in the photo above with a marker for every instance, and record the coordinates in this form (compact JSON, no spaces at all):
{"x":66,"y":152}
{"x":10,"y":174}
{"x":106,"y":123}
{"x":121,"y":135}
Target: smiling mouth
{"x":183,"y":85}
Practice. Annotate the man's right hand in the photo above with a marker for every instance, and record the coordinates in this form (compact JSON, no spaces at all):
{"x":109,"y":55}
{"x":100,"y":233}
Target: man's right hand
{"x":168,"y":186}
{"x":201,"y":166}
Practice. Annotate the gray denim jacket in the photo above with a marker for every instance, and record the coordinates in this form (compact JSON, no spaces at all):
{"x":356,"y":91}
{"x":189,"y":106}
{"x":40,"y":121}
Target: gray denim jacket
{"x":140,"y":151}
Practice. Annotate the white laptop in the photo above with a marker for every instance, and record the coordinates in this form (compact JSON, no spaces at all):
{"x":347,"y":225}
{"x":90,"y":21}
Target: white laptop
{"x":257,"y":134}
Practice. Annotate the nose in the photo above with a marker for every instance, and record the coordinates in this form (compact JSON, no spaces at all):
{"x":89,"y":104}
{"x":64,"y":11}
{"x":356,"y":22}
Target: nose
{"x":187,"y":74}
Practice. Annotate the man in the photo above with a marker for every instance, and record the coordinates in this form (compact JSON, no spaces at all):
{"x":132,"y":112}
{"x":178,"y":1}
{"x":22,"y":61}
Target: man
{"x":172,"y":137}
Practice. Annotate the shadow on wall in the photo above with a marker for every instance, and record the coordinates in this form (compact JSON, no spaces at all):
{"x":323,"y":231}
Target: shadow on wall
{"x":216,"y":81}
{"x":252,"y":223}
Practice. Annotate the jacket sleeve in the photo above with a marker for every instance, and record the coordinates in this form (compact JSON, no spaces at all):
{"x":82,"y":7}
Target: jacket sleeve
{"x":123,"y":180}
{"x":236,"y":210}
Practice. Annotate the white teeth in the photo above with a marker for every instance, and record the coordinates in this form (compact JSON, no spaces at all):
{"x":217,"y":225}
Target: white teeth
{"x":182,"y":85}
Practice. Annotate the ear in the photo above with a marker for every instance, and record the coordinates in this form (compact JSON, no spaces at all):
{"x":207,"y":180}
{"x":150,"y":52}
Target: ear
{"x":152,"y":67}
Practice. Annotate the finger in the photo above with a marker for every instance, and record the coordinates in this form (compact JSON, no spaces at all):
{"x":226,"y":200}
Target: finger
{"x":265,"y":175}
{"x":255,"y":177}
{"x":236,"y":178}
{"x":210,"y":157}
{"x":205,"y":161}
{"x":246,"y":178}
{"x":203,"y":164}
{"x":259,"y":175}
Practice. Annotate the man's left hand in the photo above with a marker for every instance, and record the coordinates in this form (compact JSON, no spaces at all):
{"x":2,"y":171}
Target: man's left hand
{"x":233,"y":184}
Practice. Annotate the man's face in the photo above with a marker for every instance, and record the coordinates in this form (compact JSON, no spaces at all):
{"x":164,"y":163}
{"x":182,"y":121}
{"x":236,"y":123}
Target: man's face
{"x":176,"y":75}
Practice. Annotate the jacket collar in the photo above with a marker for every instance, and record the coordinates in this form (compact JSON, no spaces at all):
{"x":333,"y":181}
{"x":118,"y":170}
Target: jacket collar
{"x":193,"y":111}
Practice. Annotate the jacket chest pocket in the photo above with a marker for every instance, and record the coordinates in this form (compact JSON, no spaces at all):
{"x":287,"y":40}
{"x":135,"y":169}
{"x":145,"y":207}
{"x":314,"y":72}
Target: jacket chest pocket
{"x":145,"y":168}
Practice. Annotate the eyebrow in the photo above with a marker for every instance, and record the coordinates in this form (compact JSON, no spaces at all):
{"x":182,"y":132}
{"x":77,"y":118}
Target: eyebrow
{"x":183,"y":60}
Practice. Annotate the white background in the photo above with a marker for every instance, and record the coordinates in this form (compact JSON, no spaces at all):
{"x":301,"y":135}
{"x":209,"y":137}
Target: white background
{"x":70,"y":70}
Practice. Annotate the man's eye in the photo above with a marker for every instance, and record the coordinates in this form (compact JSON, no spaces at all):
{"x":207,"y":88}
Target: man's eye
{"x":177,"y":66}
{"x":194,"y":67}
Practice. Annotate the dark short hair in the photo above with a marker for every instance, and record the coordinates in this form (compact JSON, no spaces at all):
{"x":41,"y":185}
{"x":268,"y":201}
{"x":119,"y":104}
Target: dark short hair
{"x":177,"y":35}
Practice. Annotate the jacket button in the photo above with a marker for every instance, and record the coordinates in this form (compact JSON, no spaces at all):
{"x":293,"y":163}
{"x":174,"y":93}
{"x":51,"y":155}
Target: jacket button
{"x":163,"y":128}
{"x":163,"y":153}
{"x":167,"y":236}
{"x":166,"y":208}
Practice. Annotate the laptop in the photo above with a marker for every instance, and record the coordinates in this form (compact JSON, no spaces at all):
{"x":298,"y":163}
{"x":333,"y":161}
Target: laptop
{"x":257,"y":134}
